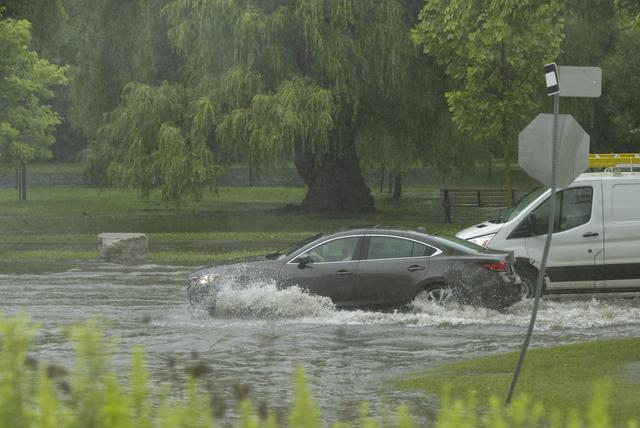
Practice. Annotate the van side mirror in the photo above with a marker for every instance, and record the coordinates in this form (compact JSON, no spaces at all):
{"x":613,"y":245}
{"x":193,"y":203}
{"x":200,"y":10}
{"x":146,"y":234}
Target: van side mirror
{"x":526,"y":228}
{"x":532,"y":223}
{"x":303,"y":261}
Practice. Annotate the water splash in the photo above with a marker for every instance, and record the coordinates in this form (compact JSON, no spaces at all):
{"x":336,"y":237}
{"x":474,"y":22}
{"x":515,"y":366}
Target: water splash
{"x":261,"y":299}
{"x":265,"y":300}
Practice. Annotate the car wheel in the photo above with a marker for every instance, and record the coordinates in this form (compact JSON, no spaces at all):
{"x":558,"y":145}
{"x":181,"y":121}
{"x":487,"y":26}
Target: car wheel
{"x":440,"y":294}
{"x":528,"y":278}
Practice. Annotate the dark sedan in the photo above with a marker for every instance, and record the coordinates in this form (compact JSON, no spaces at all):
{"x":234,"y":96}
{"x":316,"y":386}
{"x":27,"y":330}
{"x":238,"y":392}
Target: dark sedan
{"x":376,"y":268}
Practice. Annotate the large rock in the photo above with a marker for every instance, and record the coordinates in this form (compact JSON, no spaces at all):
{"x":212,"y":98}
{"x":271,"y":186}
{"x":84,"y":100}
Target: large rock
{"x":124,"y":247}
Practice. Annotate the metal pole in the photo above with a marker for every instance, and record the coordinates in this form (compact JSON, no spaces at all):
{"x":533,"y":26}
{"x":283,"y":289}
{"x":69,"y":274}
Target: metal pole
{"x":545,"y":253}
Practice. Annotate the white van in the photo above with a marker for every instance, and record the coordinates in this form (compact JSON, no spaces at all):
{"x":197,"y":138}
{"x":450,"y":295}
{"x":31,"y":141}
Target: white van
{"x":596,"y":240}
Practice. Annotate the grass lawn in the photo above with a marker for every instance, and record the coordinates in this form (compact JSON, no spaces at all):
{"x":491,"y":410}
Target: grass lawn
{"x":560,"y":378}
{"x":59,"y":223}
{"x":62,"y":223}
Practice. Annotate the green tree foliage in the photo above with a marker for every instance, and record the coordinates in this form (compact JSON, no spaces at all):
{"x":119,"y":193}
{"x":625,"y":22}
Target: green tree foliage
{"x":26,"y":81}
{"x":46,"y":18}
{"x":618,"y":112}
{"x":623,"y":83}
{"x":494,"y":52}
{"x":157,"y":139}
{"x":51,"y":39}
{"x":591,"y":35}
{"x":605,"y":33}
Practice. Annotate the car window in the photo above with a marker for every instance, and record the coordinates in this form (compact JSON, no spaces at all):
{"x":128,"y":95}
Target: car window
{"x":295,"y":247}
{"x":573,"y":209}
{"x":386,"y":247}
{"x":341,"y":249}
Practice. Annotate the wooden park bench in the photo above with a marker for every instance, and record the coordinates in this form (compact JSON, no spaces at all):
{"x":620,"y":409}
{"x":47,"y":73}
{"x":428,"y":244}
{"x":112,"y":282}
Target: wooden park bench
{"x":480,"y":197}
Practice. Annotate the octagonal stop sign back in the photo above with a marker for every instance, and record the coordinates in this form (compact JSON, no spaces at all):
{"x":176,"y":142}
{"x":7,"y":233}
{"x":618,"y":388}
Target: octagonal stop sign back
{"x":535,"y":149}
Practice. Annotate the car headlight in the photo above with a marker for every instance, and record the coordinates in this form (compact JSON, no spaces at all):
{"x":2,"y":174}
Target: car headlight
{"x":209,"y":278}
{"x":483,"y":240}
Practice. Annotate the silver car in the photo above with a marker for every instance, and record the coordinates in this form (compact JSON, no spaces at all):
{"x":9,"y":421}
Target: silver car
{"x":376,"y":268}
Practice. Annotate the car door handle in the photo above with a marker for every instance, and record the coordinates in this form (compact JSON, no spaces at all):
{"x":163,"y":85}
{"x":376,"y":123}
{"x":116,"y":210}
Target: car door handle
{"x":414,"y":268}
{"x":590,"y":234}
{"x":344,"y":273}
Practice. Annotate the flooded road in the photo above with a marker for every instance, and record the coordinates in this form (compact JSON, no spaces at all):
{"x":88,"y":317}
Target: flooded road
{"x":260,"y":335}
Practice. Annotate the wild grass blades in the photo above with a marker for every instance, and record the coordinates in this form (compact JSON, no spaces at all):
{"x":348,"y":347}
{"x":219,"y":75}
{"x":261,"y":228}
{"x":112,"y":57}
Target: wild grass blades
{"x":34,"y":394}
{"x":523,"y":413}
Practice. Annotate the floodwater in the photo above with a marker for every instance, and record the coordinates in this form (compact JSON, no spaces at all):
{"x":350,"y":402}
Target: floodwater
{"x":260,"y":335}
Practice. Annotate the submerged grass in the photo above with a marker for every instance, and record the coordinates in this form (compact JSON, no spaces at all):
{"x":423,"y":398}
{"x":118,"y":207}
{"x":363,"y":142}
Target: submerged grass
{"x":47,"y":255}
{"x":558,"y":378}
{"x":204,"y":258}
{"x":185,"y":258}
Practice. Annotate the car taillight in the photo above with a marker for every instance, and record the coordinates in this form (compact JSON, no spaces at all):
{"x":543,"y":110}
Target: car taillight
{"x":496,"y":266}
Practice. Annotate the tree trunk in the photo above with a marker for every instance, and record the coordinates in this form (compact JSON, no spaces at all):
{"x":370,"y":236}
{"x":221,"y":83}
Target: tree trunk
{"x":506,"y":143}
{"x":21,"y":177}
{"x":506,"y":155}
{"x":397,"y":186}
{"x":335,"y":183}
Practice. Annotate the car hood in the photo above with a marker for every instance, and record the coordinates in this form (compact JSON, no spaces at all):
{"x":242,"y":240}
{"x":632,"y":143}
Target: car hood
{"x":251,"y":266}
{"x":485,"y":228}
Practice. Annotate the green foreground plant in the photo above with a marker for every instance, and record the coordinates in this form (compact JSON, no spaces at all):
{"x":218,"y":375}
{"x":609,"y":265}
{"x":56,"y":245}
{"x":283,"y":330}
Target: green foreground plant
{"x":34,"y":394}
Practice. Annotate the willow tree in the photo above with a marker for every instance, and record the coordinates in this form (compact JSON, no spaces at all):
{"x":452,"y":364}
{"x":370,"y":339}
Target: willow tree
{"x":157,"y":139}
{"x":494,"y":51}
{"x":110,"y":44}
{"x":298,"y":79}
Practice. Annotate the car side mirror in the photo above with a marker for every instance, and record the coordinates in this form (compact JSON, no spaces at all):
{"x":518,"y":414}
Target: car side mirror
{"x":303,"y":261}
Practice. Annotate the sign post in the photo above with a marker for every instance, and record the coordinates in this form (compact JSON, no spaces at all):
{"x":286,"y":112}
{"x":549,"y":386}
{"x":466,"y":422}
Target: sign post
{"x":560,"y":81}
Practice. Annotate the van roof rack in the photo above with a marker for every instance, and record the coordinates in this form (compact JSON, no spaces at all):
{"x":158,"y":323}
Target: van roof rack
{"x":615,"y":161}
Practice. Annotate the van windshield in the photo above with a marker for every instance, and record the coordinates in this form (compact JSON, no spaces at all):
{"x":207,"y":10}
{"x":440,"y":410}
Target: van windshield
{"x":524,"y":202}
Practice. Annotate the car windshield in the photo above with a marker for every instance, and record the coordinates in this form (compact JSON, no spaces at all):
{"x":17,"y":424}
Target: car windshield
{"x":293,"y":247}
{"x":458,"y":243}
{"x":524,"y":202}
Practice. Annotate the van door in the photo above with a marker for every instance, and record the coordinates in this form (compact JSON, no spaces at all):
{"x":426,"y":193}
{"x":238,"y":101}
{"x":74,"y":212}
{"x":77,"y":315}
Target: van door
{"x":577,"y":246}
{"x":622,"y":233}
